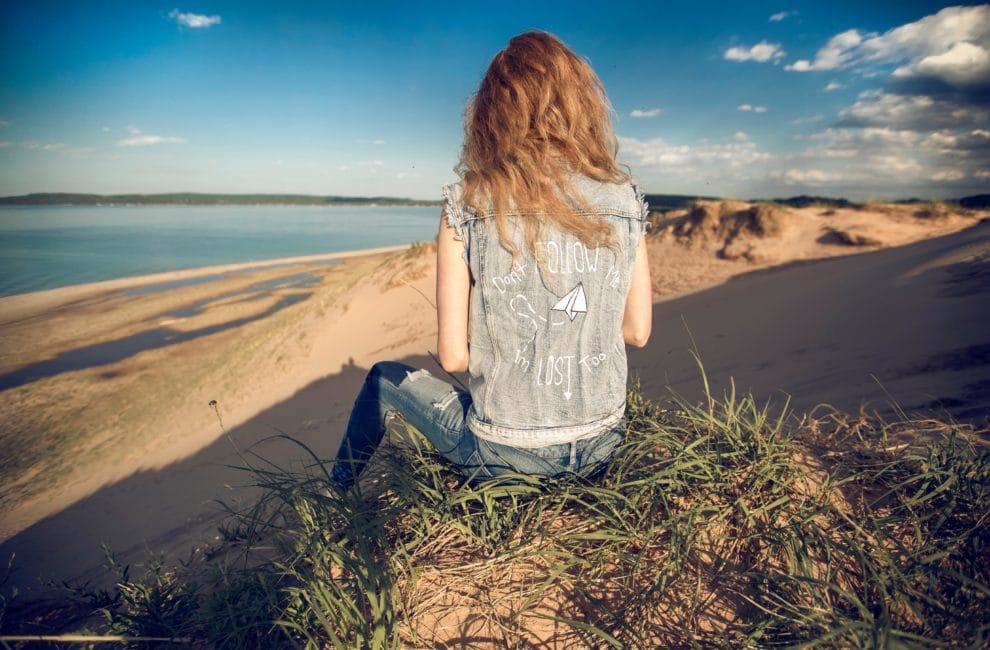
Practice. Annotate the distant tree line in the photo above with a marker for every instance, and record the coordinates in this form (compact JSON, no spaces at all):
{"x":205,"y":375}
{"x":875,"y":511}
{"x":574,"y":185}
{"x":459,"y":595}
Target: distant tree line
{"x":191,"y":198}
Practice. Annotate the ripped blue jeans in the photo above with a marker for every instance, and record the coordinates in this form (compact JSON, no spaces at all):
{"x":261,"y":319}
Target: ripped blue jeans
{"x":439,"y":411}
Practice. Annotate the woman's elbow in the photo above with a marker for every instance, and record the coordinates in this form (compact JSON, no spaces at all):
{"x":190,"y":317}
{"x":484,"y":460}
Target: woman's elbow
{"x":453,"y":361}
{"x":637,"y":336}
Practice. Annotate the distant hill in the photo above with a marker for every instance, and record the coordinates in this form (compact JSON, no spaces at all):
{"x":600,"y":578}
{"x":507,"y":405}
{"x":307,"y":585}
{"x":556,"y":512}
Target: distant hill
{"x":804,"y":201}
{"x":975,"y":202}
{"x":657,"y":202}
{"x":190,"y":198}
{"x":665,"y":202}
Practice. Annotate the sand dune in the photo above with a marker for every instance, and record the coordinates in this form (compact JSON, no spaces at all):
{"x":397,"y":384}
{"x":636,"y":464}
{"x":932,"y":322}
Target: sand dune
{"x":108,"y":434}
{"x":906,"y":325}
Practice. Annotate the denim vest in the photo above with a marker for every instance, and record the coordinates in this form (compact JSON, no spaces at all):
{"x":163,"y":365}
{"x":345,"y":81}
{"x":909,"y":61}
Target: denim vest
{"x":547,"y":358}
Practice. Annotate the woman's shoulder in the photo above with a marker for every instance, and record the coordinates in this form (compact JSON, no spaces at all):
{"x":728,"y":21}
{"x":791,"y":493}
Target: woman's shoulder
{"x":607,"y":196}
{"x":453,"y":206}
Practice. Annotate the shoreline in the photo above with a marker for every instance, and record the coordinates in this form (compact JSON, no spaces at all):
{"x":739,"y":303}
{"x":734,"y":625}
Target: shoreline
{"x":22,"y":305}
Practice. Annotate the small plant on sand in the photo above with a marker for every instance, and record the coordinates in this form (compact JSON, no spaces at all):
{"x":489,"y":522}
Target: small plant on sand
{"x":728,"y":523}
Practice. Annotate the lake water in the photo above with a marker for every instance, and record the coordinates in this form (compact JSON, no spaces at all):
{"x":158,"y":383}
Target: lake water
{"x":42,"y":247}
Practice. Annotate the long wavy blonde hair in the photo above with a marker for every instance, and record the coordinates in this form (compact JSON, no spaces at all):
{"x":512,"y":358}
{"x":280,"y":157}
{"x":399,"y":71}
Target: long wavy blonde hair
{"x":540,"y":115}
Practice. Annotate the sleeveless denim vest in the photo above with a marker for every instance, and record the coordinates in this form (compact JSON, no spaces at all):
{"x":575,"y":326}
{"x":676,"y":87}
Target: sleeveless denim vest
{"x":547,"y":358}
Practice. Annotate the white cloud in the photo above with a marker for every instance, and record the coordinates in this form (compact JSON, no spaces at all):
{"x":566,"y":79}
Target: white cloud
{"x":657,"y":153}
{"x":963,"y":64}
{"x":948,"y":175}
{"x":836,"y":53}
{"x":378,"y":142}
{"x":195,"y":21}
{"x":140,"y":140}
{"x":901,"y":166}
{"x":806,"y":177}
{"x":933,"y":34}
{"x":750,"y":108}
{"x":951,"y":47}
{"x":857,"y":163}
{"x":833,"y":85}
{"x":105,"y":129}
{"x":780,"y":15}
{"x":6,"y":143}
{"x":740,"y":136}
{"x":761,"y":52}
{"x":919,"y":112}
{"x":885,"y":158}
{"x":869,"y":139}
{"x":649,"y":112}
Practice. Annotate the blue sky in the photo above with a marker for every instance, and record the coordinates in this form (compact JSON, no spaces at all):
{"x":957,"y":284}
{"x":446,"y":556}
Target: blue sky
{"x":859,"y":99}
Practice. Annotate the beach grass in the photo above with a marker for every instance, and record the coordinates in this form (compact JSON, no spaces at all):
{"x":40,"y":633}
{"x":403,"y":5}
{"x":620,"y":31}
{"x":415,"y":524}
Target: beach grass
{"x":729,"y":523}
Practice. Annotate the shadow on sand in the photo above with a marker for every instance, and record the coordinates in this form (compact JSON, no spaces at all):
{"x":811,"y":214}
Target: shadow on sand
{"x":176,"y":508}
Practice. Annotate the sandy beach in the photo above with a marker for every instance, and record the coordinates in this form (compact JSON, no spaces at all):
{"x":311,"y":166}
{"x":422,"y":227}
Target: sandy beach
{"x":126,"y":408}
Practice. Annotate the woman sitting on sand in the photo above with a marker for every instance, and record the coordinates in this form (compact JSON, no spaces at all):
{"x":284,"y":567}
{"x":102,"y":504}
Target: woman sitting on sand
{"x":542,"y":277}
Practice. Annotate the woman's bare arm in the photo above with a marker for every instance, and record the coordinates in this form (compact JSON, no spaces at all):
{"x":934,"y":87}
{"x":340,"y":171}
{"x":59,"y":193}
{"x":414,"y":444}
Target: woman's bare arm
{"x":453,"y":292}
{"x":637,"y":320}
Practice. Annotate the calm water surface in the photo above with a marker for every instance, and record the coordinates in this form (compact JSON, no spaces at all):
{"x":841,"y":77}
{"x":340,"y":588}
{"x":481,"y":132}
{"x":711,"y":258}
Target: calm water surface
{"x":52,"y":246}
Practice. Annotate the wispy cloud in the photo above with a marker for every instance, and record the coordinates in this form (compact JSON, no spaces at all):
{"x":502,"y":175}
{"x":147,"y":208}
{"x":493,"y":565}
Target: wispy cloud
{"x":139,"y":139}
{"x":44,"y":146}
{"x":645,"y":112}
{"x":378,"y":142}
{"x":833,"y":85}
{"x":780,"y":15}
{"x":363,"y":166}
{"x":4,"y":124}
{"x":837,"y":53}
{"x":746,"y":108}
{"x":195,"y":21}
{"x":948,"y":175}
{"x":6,"y":143}
{"x":145,"y":140}
{"x":810,"y":119}
{"x":761,"y":52}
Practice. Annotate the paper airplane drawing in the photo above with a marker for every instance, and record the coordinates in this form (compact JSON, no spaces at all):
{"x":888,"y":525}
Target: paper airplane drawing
{"x":575,"y":302}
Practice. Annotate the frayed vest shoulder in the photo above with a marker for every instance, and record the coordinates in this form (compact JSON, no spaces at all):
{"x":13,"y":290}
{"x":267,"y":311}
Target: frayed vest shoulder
{"x":547,"y":358}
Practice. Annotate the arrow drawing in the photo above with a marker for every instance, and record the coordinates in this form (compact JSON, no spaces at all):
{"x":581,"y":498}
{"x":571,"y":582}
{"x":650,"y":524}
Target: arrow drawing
{"x":575,"y":302}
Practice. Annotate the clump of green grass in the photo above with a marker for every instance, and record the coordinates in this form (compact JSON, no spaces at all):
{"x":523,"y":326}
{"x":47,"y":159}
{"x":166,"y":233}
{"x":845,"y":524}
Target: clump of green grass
{"x":728,"y":523}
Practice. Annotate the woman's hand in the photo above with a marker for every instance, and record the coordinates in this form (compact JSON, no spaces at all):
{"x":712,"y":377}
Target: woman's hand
{"x":637,"y":320}
{"x":453,"y":293}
